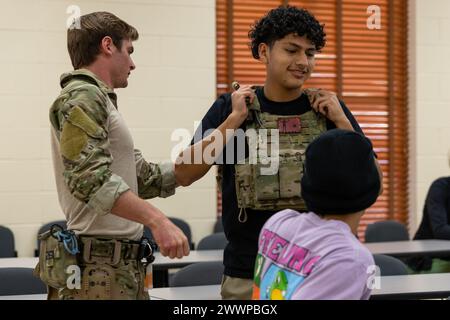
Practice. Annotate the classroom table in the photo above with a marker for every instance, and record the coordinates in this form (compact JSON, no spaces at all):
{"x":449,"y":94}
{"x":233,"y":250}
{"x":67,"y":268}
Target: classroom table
{"x":25,"y":297}
{"x":435,"y":248}
{"x":417,"y":286}
{"x":211,"y":292}
{"x":414,"y":286}
{"x":161,"y":264}
{"x":18,"y":262}
{"x":164,"y":263}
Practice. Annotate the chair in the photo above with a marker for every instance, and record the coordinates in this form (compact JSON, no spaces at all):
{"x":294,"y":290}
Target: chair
{"x":390,"y":266}
{"x":20,"y":281}
{"x":147,"y":233}
{"x":161,"y":277}
{"x":46,"y":227}
{"x":184,"y":226}
{"x":7,"y":247}
{"x":218,"y":226}
{"x":213,"y":241}
{"x":383,"y":231}
{"x":198,"y":274}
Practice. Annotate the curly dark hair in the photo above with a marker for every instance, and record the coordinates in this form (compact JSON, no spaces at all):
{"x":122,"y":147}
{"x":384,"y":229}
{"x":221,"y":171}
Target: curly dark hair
{"x":282,"y":21}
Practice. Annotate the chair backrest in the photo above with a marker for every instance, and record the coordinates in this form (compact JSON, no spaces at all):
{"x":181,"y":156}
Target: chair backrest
{"x":46,"y":227}
{"x":20,"y":281}
{"x":383,"y":231}
{"x":7,"y":246}
{"x":198,"y":274}
{"x":218,"y":226}
{"x":183,"y":225}
{"x":148,"y":233}
{"x":213,"y":241}
{"x":390,"y":266}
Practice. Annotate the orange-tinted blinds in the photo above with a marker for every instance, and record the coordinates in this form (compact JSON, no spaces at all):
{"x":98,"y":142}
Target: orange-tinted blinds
{"x":367,"y":68}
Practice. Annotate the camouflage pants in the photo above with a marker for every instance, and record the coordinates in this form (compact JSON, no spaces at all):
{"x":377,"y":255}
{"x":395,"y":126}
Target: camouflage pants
{"x":236,"y":288}
{"x":107,"y":270}
{"x":124,"y":281}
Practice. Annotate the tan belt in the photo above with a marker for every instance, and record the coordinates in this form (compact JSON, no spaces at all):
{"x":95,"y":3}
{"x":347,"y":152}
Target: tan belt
{"x":110,"y":251}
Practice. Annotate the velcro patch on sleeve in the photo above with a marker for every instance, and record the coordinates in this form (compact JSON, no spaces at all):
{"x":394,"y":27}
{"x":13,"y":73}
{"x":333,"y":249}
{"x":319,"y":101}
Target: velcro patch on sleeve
{"x":73,"y":141}
{"x":80,"y":119}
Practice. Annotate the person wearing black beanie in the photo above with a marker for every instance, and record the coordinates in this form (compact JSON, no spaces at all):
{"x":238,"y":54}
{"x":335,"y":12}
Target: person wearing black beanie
{"x":287,"y":41}
{"x":340,"y":174}
{"x":316,"y":255}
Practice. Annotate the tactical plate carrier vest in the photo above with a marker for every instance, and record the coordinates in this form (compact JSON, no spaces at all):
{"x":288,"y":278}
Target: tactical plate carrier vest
{"x":269,"y":179}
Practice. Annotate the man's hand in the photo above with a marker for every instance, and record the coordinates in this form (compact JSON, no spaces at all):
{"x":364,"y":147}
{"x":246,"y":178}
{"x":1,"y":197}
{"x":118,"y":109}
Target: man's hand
{"x":187,"y":173}
{"x":327,"y":103}
{"x":171,"y":240}
{"x":239,"y":100}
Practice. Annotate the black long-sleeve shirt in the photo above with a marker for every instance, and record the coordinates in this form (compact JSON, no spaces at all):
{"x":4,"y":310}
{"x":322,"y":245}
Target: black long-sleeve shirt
{"x":240,"y":253}
{"x":436,"y":212}
{"x":435,"y":221}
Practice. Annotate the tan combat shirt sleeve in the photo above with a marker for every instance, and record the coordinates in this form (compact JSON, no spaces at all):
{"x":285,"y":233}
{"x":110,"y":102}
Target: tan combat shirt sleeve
{"x":154,"y":180}
{"x":79,"y":119}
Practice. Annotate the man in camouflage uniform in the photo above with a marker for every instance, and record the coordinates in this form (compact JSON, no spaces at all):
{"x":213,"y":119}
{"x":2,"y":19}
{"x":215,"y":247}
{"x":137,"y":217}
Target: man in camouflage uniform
{"x":101,"y":179}
{"x":286,"y":41}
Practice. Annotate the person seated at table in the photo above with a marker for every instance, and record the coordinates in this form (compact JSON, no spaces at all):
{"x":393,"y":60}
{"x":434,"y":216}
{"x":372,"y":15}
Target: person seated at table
{"x":435,"y":225}
{"x":316,"y":255}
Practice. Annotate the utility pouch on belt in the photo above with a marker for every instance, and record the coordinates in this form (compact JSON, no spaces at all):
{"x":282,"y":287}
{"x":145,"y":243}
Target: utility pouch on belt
{"x":97,"y":282}
{"x":113,"y":268}
{"x":58,"y":250}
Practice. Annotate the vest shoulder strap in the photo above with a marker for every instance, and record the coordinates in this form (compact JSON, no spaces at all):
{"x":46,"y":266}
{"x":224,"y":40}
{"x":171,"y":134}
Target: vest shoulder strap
{"x":254,"y":115}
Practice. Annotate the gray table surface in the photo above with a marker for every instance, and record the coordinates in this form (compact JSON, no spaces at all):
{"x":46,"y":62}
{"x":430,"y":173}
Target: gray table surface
{"x":405,"y":287}
{"x":415,"y":286}
{"x":409,"y":248}
{"x":160,"y":261}
{"x":396,"y":248}
{"x":193,"y":257}
{"x":420,"y":286}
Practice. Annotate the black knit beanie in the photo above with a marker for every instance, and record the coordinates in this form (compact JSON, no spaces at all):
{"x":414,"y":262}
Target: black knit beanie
{"x":340,"y":175}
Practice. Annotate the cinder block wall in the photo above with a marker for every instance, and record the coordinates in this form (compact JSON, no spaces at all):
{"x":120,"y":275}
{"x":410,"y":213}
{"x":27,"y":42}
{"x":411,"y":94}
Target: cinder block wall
{"x":172,"y":86}
{"x":429,"y":99}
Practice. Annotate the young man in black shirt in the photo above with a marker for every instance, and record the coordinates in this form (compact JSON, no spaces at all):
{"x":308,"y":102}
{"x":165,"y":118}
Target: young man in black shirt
{"x":435,"y":225}
{"x":286,"y":41}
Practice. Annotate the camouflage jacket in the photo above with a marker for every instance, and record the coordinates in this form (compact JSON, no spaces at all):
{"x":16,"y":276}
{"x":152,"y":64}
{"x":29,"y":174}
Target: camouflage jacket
{"x":80,"y":119}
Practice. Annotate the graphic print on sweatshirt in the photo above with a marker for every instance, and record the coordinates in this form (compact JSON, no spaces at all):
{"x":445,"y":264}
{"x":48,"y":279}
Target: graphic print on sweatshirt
{"x":280,"y":267}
